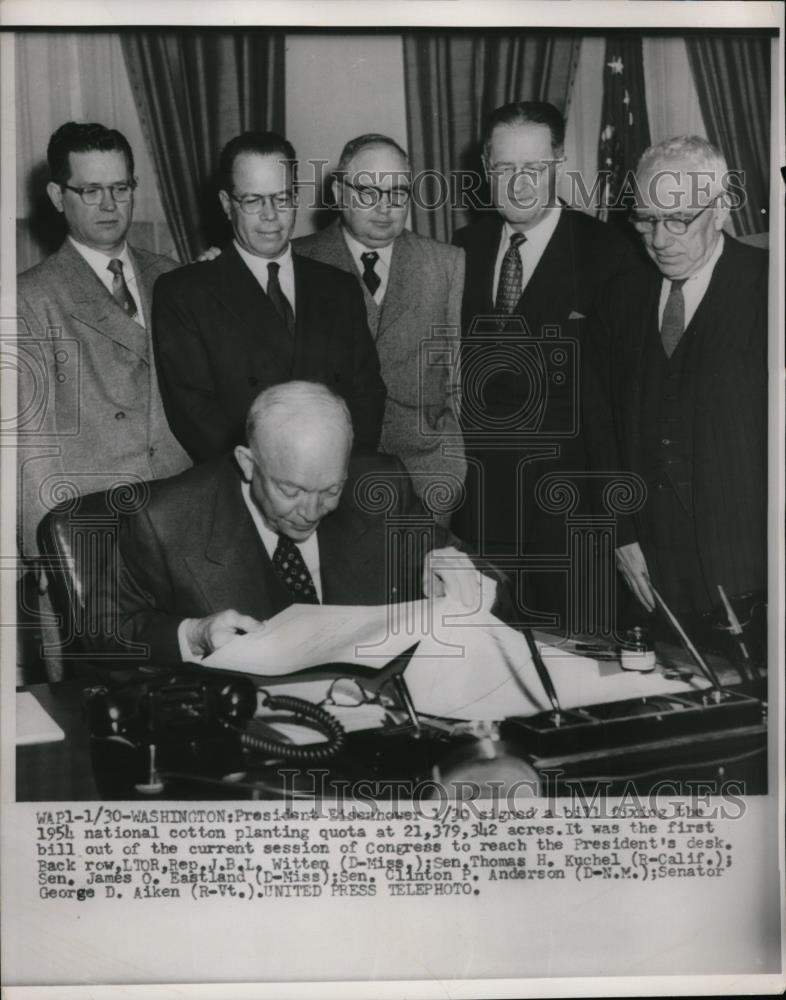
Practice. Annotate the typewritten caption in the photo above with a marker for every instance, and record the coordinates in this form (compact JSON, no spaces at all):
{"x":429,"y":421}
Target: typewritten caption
{"x":262,"y":851}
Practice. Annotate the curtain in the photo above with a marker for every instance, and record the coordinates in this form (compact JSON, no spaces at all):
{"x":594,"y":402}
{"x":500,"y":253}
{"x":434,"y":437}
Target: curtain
{"x":74,"y":76}
{"x":732,"y":75}
{"x":194,"y":90}
{"x":453,"y":79}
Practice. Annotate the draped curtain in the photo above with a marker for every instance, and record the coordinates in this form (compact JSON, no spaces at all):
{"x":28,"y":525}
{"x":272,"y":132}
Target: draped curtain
{"x":453,"y":79}
{"x":194,"y":91}
{"x":732,"y":77}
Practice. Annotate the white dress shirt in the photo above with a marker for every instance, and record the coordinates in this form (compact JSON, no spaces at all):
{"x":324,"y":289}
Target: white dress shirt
{"x":286,"y":270}
{"x":382,"y":266}
{"x":694,"y":289}
{"x":99,"y":263}
{"x":531,"y":250}
{"x":308,"y":549}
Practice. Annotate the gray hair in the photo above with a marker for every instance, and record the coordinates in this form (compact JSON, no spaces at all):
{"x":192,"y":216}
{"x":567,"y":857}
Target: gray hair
{"x":696,"y":153}
{"x":287,"y":402}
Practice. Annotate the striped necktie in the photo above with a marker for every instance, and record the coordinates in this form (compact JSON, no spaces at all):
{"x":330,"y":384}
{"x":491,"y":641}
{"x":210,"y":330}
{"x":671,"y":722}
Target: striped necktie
{"x":120,"y":292}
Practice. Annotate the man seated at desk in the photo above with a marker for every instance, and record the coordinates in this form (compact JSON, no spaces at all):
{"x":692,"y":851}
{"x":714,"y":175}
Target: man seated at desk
{"x":226,"y":545}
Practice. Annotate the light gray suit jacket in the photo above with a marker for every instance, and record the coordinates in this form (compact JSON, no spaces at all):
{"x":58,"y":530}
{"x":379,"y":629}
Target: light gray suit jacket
{"x":89,"y":413}
{"x":416,"y":330}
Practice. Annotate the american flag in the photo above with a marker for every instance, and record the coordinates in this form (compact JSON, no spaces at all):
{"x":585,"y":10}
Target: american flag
{"x":624,"y":126}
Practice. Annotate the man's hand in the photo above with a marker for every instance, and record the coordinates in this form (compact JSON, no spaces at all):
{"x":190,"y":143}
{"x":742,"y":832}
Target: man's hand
{"x":450,"y":573}
{"x":205,"y":635}
{"x":210,"y":254}
{"x":633,"y":566}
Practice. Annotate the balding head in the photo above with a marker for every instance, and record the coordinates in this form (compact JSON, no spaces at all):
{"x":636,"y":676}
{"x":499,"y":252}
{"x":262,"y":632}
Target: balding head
{"x":299,"y":442}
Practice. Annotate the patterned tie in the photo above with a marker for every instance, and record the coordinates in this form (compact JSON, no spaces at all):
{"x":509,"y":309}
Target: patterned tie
{"x":277,"y":297}
{"x":673,"y":325}
{"x":120,"y":292}
{"x":291,"y":567}
{"x":511,"y":277}
{"x":370,"y":277}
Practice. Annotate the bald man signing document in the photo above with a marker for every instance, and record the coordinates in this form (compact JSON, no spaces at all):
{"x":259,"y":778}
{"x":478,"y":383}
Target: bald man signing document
{"x":218,"y":550}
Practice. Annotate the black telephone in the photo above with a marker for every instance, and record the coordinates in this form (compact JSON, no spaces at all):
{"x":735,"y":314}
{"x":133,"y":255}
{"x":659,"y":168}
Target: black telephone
{"x":189,"y":723}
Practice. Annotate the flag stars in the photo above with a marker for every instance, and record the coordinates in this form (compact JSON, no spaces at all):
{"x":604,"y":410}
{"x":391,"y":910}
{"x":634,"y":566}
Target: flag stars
{"x":616,"y":65}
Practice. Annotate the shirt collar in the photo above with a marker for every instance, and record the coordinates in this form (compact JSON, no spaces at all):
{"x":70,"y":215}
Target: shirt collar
{"x":268,"y":536}
{"x":704,"y":273}
{"x":98,"y":260}
{"x":258,"y":265}
{"x":540,"y":234}
{"x":356,"y":248}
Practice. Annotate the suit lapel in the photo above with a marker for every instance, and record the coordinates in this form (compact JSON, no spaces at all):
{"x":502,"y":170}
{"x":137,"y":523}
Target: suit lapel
{"x":641,"y":319}
{"x":94,"y":306}
{"x":401,"y":279}
{"x":145,"y":279}
{"x":554,"y":275}
{"x":234,"y":570}
{"x":485,"y":259}
{"x":337,"y":254}
{"x":344,"y":558}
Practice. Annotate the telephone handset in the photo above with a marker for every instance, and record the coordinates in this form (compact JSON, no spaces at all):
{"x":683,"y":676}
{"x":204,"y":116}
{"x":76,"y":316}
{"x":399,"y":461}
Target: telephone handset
{"x":192,"y":723}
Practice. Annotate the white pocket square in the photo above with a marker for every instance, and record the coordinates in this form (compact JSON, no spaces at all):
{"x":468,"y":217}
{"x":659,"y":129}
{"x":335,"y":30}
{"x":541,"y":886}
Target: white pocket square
{"x":576,"y":315}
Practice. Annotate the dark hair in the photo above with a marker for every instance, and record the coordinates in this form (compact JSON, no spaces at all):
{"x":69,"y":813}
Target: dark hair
{"x":76,"y":137}
{"x":527,"y":113}
{"x":354,"y":146}
{"x":262,"y":143}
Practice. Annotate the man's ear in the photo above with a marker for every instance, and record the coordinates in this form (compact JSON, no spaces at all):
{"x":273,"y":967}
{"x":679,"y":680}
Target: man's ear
{"x":226,"y":203}
{"x":720,"y":211}
{"x":55,"y":193}
{"x":245,"y":460}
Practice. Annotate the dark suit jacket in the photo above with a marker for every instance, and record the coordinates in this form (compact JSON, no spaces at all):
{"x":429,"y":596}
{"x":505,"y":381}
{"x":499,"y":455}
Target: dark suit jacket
{"x":95,"y":418}
{"x":501,"y":512}
{"x":219,"y":341}
{"x":729,"y":391}
{"x":581,"y":257}
{"x":194,"y":550}
{"x":416,"y":333}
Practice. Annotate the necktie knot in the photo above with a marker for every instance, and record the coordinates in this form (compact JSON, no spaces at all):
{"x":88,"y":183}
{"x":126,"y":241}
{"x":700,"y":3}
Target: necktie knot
{"x":371,"y":279}
{"x":517,"y":239}
{"x":677,"y":283}
{"x":120,"y":292}
{"x":273,"y":269}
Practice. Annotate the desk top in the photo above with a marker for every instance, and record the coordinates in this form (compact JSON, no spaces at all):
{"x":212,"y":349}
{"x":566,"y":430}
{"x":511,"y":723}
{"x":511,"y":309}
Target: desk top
{"x":63,"y":771}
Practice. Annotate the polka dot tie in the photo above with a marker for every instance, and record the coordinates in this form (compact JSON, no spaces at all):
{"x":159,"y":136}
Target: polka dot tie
{"x":370,"y":277}
{"x":511,"y":277}
{"x":291,"y":568}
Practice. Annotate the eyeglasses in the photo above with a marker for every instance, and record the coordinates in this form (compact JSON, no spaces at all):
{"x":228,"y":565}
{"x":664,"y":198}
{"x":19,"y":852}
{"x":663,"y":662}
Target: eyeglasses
{"x":673,"y":224}
{"x":347,"y":692}
{"x":252,"y":204}
{"x":369,"y":196}
{"x":93,"y":194}
{"x":533,"y":170}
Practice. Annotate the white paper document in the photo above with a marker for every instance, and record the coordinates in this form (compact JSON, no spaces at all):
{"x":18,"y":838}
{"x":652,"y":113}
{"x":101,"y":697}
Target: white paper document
{"x":468,"y":664}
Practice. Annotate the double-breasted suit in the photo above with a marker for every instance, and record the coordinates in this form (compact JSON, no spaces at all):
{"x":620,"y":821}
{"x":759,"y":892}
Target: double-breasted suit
{"x":219,"y":341}
{"x":90,"y":414}
{"x":415,"y":329}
